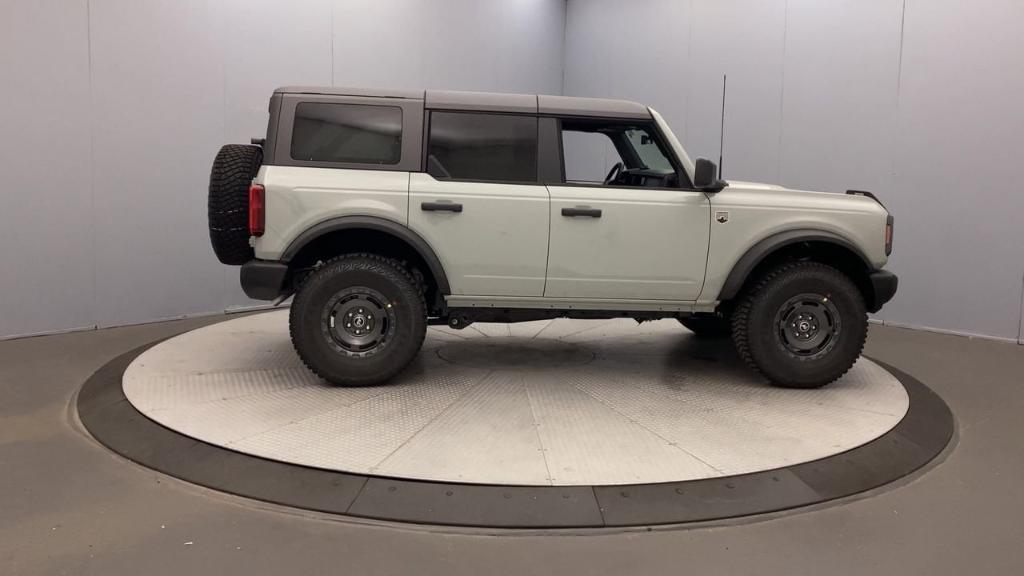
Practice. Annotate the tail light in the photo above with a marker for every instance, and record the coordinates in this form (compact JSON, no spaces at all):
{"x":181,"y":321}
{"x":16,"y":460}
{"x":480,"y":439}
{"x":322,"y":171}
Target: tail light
{"x":257,"y":210}
{"x":888,"y":235}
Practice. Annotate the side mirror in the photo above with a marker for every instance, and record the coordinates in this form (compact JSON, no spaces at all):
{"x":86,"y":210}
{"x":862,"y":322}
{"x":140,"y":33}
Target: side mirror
{"x":705,"y":176}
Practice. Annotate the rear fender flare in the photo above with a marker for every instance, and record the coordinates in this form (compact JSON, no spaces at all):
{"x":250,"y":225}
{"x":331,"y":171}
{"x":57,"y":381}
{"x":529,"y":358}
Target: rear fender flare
{"x":381,"y":225}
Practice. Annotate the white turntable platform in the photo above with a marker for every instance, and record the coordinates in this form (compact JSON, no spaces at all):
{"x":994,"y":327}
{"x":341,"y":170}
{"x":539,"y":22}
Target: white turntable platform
{"x":562,"y":402}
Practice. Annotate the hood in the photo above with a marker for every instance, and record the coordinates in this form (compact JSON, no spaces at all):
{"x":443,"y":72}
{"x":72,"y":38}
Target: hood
{"x":755,"y":185}
{"x":796,"y":197}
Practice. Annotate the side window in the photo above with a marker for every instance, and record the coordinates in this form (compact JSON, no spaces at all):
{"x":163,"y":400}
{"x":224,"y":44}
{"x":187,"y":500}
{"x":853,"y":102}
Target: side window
{"x":489,"y":147}
{"x":588,"y":156}
{"x":615,"y":153}
{"x":347,"y":133}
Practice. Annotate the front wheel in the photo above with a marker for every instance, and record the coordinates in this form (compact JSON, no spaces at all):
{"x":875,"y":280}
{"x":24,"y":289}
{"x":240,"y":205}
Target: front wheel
{"x":358,"y":320}
{"x":801,"y":325}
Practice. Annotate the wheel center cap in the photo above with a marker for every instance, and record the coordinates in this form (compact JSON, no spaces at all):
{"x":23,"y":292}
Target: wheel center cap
{"x":804,"y":326}
{"x":359,"y":321}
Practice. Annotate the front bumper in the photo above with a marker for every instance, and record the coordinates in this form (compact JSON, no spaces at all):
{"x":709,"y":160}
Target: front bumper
{"x":883,"y":288}
{"x":264,"y":279}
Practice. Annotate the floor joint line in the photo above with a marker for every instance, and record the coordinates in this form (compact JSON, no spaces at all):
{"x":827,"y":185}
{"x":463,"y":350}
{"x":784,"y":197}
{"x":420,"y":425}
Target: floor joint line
{"x":536,"y":430}
{"x":454,"y":401}
{"x":666,"y":440}
{"x":545,"y":327}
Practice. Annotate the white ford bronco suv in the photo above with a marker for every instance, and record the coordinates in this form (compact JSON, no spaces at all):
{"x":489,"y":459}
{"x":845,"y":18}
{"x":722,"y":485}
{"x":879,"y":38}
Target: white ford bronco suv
{"x":384,"y":211}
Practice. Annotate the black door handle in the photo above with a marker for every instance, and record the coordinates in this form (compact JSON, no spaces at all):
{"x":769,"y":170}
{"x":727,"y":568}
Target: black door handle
{"x":582,"y":211}
{"x":441,"y":207}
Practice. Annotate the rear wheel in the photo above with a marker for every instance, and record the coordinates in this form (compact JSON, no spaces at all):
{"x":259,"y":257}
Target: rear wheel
{"x":801,"y":325}
{"x":358,"y":320}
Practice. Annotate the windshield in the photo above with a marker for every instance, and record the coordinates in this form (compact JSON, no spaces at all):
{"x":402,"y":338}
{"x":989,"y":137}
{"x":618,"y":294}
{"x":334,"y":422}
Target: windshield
{"x":647,"y":150}
{"x":673,"y":142}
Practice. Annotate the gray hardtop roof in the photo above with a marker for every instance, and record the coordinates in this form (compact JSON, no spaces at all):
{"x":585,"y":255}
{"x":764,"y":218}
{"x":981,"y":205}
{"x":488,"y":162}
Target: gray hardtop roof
{"x":491,"y":101}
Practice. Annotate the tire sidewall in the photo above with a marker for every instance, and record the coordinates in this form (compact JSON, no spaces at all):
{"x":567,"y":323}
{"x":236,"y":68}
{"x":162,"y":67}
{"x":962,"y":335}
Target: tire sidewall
{"x":766,"y":347}
{"x":404,"y":338}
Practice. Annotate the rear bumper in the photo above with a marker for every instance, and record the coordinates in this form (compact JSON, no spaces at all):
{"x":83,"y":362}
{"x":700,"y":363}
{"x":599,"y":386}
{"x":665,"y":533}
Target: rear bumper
{"x":883,"y":288}
{"x":263,"y":279}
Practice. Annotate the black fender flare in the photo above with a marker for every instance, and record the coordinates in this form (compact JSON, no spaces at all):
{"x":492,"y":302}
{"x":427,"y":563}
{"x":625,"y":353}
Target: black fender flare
{"x":400,"y":231}
{"x":758,"y":252}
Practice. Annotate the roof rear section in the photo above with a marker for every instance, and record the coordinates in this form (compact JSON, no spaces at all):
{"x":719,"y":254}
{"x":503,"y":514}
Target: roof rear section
{"x":340,"y":91}
{"x":491,"y":101}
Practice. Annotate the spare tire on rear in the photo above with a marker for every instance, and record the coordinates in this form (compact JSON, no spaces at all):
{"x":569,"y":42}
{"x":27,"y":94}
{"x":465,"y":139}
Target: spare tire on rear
{"x":228,"y":206}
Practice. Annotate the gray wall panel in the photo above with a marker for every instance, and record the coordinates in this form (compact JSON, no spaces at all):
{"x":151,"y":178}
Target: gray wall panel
{"x":632,"y":50}
{"x":158,"y":119}
{"x":958,"y":200}
{"x":839,"y":98}
{"x":457,"y":44}
{"x":46,"y":275}
{"x":743,"y":40}
{"x":389,"y":55}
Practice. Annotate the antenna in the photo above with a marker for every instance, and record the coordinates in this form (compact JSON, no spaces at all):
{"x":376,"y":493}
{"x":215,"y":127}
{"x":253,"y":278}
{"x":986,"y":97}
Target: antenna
{"x":721,"y":133}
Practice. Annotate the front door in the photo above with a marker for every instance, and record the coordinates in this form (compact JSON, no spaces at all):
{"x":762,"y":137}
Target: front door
{"x":624,"y":224}
{"x":479,"y":204}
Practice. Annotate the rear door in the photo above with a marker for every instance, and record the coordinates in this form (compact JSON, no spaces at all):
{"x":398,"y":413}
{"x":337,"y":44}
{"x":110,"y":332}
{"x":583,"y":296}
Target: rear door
{"x":479,"y":203}
{"x":624,"y":223}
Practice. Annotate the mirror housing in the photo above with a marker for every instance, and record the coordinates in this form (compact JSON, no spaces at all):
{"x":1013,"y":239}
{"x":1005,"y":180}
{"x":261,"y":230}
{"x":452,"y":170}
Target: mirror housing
{"x":705,"y":176}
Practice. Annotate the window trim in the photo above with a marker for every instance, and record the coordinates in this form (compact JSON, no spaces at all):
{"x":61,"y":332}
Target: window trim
{"x":425,"y":152}
{"x":412,"y":126}
{"x":655,"y":131}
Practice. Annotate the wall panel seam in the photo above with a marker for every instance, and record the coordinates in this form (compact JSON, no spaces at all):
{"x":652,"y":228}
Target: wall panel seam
{"x":94,"y":296}
{"x":782,"y":89}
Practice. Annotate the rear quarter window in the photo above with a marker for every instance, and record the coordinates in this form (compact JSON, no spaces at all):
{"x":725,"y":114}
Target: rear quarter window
{"x":347,"y":133}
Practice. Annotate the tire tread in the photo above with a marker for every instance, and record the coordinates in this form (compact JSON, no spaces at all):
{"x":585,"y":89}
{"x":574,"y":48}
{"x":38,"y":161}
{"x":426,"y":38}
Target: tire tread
{"x":742,"y":312}
{"x":228,"y":201}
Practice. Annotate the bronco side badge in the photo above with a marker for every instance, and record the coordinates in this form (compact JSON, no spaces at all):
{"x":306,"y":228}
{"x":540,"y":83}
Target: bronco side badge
{"x":722,"y":217}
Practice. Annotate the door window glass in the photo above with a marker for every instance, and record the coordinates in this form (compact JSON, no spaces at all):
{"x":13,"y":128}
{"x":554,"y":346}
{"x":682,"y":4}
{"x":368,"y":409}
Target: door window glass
{"x":588,"y":156}
{"x":488,"y":147}
{"x":615,"y":153}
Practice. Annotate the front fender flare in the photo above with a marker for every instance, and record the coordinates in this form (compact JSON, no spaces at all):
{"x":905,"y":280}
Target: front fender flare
{"x":758,"y":252}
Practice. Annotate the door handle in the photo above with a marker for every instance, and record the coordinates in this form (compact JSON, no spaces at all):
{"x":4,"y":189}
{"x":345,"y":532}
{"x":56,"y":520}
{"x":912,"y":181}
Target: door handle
{"x":441,"y":207}
{"x":582,"y":211}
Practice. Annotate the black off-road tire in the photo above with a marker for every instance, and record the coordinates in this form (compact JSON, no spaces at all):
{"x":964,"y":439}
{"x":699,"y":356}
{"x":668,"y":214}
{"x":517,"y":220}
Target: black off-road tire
{"x":228,"y":203}
{"x":316,"y":338}
{"x":756,"y":326}
{"x":708,"y":326}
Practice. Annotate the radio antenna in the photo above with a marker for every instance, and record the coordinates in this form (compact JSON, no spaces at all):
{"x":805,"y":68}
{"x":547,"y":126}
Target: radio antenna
{"x":721,"y":133}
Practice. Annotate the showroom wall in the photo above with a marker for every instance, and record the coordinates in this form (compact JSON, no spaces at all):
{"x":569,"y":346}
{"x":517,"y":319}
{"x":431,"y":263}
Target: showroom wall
{"x":118,"y":106}
{"x":917,"y":100}
{"x":113,"y":110}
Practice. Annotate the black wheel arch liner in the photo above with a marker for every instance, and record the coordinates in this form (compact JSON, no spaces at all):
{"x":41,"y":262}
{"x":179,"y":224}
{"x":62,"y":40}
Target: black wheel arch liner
{"x":757,"y":253}
{"x":400,"y":231}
